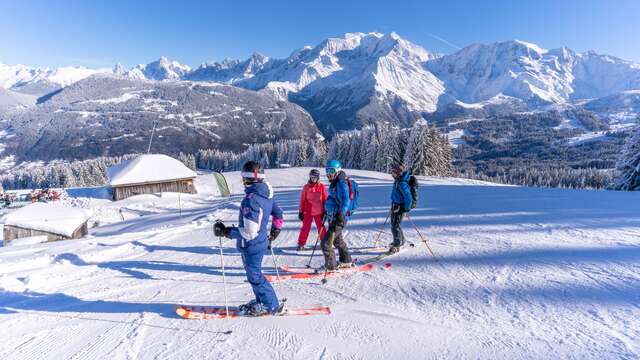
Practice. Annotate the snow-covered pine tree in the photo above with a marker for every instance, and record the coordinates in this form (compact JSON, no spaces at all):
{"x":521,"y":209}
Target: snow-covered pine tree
{"x":393,"y":150}
{"x":264,"y":161}
{"x":318,"y":153}
{"x":302,"y":153}
{"x":446,"y":156}
{"x":416,"y":157}
{"x":281,"y":157}
{"x":353,"y":157}
{"x":628,"y":166}
{"x":366,"y":146}
{"x":372,"y":151}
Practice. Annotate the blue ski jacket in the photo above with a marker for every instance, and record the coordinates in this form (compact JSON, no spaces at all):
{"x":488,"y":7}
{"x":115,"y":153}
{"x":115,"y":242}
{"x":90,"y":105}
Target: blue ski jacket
{"x":256,"y":208}
{"x":401,"y":192}
{"x":338,"y":199}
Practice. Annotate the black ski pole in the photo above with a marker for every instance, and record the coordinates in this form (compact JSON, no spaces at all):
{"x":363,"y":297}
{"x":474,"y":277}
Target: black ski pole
{"x":375,"y":243}
{"x":224,"y":278}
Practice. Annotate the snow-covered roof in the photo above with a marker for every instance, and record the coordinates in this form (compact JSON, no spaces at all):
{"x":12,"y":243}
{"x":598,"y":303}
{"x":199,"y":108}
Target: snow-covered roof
{"x":52,"y":218}
{"x":149,"y":168}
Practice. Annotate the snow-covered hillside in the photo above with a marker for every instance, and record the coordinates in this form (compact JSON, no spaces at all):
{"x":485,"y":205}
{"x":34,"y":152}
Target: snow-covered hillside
{"x":116,"y":116}
{"x":40,"y":81}
{"x":532,"y":74}
{"x":519,"y":273}
{"x":11,"y":100}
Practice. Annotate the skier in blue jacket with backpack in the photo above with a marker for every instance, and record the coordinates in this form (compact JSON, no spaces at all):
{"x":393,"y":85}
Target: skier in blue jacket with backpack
{"x":402,"y":201}
{"x":338,"y":209}
{"x":253,"y":238}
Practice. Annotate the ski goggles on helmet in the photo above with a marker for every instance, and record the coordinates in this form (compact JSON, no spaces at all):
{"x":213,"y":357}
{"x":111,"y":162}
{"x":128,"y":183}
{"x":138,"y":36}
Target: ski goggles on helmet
{"x":331,"y":171}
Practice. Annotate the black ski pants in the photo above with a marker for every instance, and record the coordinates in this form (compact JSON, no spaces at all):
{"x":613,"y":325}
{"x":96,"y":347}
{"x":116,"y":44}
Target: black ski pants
{"x":333,"y":238}
{"x":397,"y":215}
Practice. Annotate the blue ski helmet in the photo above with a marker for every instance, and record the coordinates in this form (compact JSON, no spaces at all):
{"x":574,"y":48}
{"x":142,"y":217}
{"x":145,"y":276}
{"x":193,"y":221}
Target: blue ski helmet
{"x":333,"y":166}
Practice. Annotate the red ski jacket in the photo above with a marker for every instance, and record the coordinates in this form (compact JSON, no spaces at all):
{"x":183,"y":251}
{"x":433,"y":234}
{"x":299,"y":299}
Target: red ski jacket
{"x":313,"y":198}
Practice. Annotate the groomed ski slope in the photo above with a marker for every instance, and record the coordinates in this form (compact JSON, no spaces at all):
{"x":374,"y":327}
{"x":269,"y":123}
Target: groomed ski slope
{"x":521,"y":273}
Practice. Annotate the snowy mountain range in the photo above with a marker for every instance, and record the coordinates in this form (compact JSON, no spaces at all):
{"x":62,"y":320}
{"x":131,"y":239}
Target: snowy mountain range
{"x":359,"y":78}
{"x":344,"y":83}
{"x":40,"y":81}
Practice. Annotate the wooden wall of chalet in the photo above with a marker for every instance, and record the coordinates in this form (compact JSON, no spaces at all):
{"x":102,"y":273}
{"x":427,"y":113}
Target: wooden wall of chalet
{"x":183,"y":186}
{"x":15,"y":232}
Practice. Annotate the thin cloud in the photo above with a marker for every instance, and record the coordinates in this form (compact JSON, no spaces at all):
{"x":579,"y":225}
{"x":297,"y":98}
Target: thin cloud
{"x":444,"y":41}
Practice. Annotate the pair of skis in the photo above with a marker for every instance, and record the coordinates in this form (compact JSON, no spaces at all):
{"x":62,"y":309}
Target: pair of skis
{"x":307,"y":274}
{"x":220,"y":312}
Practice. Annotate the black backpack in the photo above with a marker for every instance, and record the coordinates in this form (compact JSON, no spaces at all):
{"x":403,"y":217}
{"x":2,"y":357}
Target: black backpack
{"x":413,"y":187}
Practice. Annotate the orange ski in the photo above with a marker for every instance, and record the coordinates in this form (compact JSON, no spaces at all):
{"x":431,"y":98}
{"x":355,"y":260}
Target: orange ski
{"x":312,"y":274}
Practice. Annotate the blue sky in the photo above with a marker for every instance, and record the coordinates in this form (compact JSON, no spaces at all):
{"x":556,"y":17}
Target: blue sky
{"x":101,"y":33}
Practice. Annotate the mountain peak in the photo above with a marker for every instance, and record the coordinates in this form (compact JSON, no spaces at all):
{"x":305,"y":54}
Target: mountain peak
{"x":161,"y":69}
{"x":118,"y":69}
{"x":531,"y":46}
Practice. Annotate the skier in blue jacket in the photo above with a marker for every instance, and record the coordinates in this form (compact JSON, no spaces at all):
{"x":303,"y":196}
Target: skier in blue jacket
{"x":337,"y":211}
{"x":401,"y":203}
{"x":253,"y":239}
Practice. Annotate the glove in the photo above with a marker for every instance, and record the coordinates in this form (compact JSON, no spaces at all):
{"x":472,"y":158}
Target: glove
{"x":273,"y":234}
{"x":300,"y":216}
{"x":220,"y":230}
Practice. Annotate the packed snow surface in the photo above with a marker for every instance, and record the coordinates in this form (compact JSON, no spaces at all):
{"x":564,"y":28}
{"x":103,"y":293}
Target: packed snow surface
{"x":54,"y":218}
{"x":148,"y":168}
{"x":518,"y":273}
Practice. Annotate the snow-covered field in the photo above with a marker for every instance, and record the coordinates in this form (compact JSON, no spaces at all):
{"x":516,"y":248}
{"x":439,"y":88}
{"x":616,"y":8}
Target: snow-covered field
{"x":520,"y":273}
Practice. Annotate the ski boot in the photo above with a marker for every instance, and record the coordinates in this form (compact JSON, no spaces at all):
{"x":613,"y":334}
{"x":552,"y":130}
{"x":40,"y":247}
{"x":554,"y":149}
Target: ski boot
{"x":324,"y":268}
{"x":393,"y":249}
{"x":300,"y":248}
{"x":245,"y":307}
{"x":258,"y":309}
{"x":345,"y":265}
{"x":280,"y":309}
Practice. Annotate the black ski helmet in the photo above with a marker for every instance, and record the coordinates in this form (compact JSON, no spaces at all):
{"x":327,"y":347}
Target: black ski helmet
{"x":252,"y":172}
{"x":314,"y":172}
{"x":397,"y":169}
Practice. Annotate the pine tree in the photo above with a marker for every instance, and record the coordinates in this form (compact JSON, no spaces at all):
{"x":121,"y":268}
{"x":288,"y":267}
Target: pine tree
{"x":417,"y":154}
{"x":371,"y":154}
{"x":353,"y":158}
{"x":628,"y":167}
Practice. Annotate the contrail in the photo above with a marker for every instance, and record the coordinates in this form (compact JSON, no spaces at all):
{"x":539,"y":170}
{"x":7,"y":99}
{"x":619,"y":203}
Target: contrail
{"x":444,"y":41}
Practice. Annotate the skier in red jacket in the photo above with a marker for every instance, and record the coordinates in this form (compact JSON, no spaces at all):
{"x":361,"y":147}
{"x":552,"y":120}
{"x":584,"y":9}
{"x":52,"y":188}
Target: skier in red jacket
{"x":312,"y":199}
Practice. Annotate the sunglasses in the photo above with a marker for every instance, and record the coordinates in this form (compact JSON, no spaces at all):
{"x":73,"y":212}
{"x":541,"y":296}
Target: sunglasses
{"x":313,"y":177}
{"x":331,"y":171}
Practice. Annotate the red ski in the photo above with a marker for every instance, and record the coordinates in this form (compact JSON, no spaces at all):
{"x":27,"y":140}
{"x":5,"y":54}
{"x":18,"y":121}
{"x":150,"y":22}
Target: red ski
{"x":220,"y":312}
{"x":305,"y":274}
